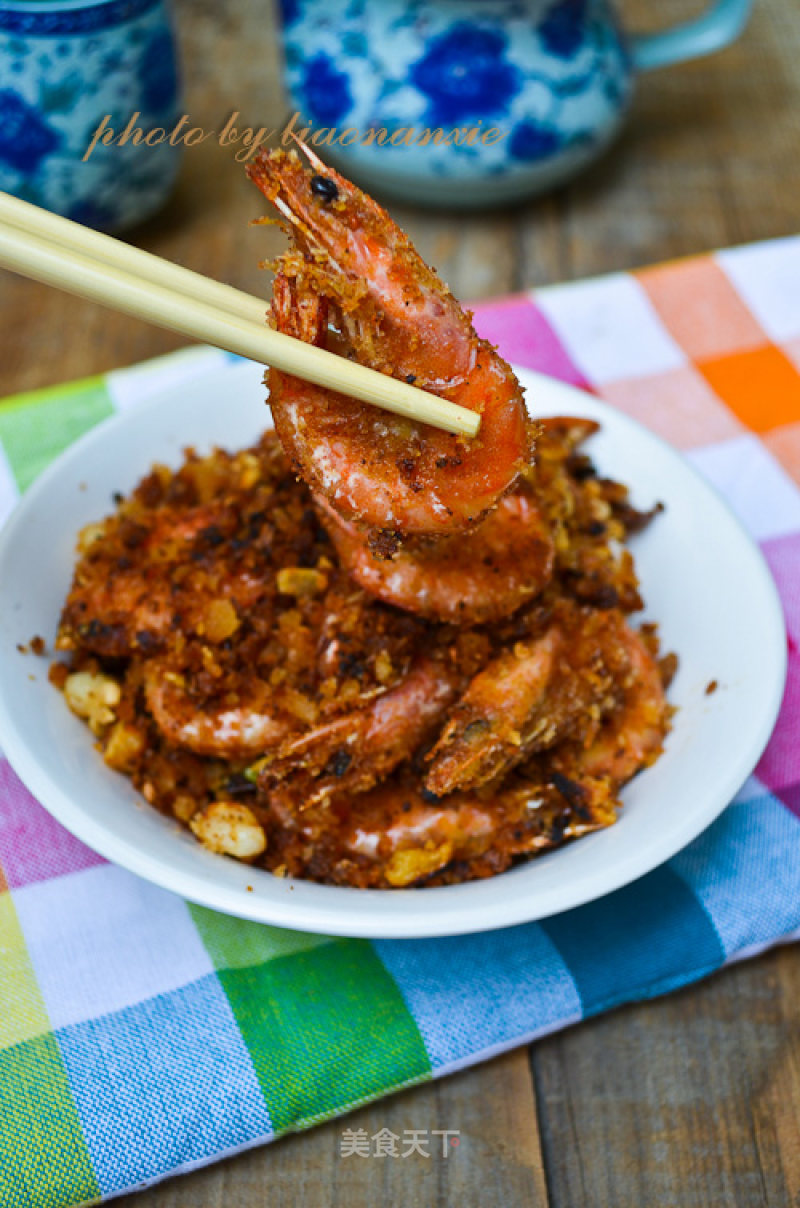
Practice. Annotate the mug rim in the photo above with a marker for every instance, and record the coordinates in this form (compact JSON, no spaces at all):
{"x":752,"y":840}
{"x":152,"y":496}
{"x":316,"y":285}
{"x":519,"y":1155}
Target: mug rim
{"x":56,"y":6}
{"x":59,"y":17}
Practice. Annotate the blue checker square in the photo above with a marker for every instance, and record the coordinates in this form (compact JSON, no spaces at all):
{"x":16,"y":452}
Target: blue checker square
{"x":473,"y":993}
{"x":754,"y":842}
{"x":162,"y":1084}
{"x":650,"y":937}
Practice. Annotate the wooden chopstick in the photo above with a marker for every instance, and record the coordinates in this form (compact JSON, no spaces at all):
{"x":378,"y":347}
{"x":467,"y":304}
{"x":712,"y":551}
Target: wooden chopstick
{"x":115,"y":254}
{"x":64,"y":254}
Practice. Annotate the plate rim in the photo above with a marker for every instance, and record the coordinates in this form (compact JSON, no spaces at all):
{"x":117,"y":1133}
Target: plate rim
{"x":407,"y":919}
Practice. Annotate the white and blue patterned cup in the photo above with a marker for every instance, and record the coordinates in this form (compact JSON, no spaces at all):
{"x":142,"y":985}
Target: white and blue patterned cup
{"x":64,"y":66}
{"x":552,"y":78}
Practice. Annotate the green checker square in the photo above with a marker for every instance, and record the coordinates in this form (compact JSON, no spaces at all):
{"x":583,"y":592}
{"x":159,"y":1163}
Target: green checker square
{"x":36,"y":427}
{"x":236,"y":943}
{"x":22,"y":1010}
{"x":44,"y":1162}
{"x":326,"y":1029}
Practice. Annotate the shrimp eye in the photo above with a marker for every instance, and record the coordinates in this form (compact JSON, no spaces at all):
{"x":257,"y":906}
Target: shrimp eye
{"x":324,"y":187}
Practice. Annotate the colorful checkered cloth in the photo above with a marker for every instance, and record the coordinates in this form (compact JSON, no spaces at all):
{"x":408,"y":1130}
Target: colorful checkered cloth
{"x":141,"y":1035}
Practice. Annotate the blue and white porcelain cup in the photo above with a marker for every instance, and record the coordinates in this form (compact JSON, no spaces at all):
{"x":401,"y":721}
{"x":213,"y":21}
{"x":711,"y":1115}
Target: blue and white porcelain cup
{"x":525,"y":92}
{"x":65,"y":65}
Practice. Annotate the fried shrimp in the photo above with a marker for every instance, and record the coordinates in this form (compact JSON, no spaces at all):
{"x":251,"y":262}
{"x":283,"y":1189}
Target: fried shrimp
{"x":352,"y":753}
{"x":243,"y":730}
{"x":632,"y":737}
{"x":365,"y":652}
{"x":473,"y":578}
{"x":396,"y":835}
{"x":538,"y":693}
{"x":386,"y":744}
{"x":353,"y":267}
{"x":123,"y":602}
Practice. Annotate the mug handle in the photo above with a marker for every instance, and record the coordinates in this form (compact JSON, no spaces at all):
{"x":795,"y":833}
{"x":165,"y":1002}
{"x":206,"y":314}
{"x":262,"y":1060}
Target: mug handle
{"x":721,"y":25}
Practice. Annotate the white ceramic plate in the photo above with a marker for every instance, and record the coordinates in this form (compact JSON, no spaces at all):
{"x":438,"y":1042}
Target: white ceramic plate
{"x":704,"y":582}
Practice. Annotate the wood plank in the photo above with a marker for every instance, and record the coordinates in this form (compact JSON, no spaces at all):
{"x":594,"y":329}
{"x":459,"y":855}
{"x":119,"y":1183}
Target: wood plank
{"x":689,"y":1101}
{"x":693,"y":1100}
{"x":474,"y":254}
{"x":497,"y":1162}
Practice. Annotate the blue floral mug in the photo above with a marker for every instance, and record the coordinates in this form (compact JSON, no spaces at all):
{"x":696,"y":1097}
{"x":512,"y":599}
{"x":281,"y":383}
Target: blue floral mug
{"x":65,"y":66}
{"x":473,"y":102}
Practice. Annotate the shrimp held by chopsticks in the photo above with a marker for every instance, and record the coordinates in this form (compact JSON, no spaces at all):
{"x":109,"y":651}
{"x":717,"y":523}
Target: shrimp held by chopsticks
{"x":352,"y":267}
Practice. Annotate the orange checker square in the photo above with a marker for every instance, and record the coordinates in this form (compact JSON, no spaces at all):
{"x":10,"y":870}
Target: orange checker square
{"x":784,"y":445}
{"x":761,"y":386}
{"x":700,"y":308}
{"x":677,"y":405}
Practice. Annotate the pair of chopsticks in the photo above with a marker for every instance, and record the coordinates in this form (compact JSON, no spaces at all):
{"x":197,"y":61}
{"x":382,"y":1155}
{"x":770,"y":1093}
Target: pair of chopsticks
{"x":38,"y":244}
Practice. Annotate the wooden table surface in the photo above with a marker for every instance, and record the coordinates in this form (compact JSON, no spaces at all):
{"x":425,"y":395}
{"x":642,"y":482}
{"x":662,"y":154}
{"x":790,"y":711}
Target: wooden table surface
{"x":692,"y":1100}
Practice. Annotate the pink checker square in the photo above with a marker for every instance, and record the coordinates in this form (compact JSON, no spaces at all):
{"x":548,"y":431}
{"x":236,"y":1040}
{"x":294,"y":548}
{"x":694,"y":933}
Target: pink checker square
{"x":784,"y":445}
{"x":790,"y":796}
{"x":33,"y":846}
{"x":677,"y":405}
{"x":524,"y":337}
{"x":779,"y":766}
{"x":700,"y":308}
{"x":783,"y":558}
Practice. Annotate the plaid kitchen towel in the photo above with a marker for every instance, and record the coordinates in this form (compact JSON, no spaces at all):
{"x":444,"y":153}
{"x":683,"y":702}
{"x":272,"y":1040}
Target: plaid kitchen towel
{"x":141,"y":1035}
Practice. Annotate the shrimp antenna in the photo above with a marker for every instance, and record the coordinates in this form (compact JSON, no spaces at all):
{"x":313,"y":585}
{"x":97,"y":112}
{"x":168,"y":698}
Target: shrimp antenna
{"x":311,"y":155}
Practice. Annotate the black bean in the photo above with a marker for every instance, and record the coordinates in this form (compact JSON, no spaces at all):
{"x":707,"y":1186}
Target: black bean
{"x":604,"y":596}
{"x":352,"y":666}
{"x":580,"y":467}
{"x":239,"y":786}
{"x":211,"y":535}
{"x":340,"y":762}
{"x":97,"y":630}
